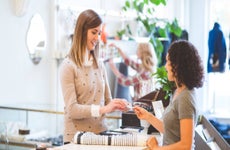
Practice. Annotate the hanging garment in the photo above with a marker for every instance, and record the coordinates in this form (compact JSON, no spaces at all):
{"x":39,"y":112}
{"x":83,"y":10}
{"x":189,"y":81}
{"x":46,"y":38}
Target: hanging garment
{"x":217,"y":50}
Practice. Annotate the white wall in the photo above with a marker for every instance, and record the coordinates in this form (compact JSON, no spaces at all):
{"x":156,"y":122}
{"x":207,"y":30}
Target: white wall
{"x":198,"y":31}
{"x":21,"y":81}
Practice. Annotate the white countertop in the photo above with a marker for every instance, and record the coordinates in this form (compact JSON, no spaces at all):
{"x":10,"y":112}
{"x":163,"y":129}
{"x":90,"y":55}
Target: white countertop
{"x":105,"y":147}
{"x":96,"y":147}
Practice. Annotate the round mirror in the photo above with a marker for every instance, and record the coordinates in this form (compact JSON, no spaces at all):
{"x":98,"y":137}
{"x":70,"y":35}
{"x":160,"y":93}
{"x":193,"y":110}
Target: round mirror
{"x":36,"y":38}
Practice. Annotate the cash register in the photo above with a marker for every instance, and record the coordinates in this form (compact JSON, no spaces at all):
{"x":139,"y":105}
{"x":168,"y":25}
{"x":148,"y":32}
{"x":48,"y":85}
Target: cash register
{"x":130,"y":120}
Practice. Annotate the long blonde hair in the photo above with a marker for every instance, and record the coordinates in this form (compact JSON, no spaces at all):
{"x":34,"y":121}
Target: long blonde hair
{"x":88,"y":19}
{"x":147,"y":56}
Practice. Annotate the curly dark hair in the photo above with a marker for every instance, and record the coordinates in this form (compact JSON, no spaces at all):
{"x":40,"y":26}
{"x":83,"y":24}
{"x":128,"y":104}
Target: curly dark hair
{"x":186,"y":64}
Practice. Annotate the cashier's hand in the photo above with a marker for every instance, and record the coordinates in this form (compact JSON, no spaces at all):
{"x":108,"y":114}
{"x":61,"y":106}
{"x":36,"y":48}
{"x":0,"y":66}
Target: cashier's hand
{"x":152,"y":143}
{"x":142,"y":113}
{"x":115,"y":104}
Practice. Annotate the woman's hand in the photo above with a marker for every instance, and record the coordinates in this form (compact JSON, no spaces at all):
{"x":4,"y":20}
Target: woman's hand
{"x":152,"y":143}
{"x":141,"y":113}
{"x":123,"y":55}
{"x":121,"y":104}
{"x":115,"y":104}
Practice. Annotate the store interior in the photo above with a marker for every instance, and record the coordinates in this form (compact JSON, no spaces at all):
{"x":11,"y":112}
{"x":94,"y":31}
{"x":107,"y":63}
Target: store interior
{"x":36,"y":37}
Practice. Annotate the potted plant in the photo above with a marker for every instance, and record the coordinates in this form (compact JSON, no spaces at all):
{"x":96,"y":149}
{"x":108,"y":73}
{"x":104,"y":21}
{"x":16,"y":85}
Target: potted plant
{"x":166,"y":86}
{"x":164,"y":89}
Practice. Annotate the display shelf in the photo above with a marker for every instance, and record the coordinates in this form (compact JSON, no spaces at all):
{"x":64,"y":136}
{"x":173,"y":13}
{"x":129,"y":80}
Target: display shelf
{"x":207,"y":137}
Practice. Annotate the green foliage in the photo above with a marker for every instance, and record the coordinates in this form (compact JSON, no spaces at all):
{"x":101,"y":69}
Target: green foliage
{"x":120,"y":33}
{"x":175,"y":28}
{"x":162,"y":78}
{"x":155,"y":27}
{"x":158,"y":2}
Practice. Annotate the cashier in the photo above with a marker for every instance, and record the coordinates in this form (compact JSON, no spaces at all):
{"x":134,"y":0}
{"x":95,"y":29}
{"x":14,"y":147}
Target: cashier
{"x":184,"y":67}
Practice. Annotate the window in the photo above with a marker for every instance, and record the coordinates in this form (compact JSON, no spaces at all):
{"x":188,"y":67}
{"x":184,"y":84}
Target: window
{"x":218,"y":93}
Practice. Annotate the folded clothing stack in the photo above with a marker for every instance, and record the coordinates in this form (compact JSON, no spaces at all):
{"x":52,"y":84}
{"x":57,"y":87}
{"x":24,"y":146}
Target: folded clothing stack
{"x":130,"y":139}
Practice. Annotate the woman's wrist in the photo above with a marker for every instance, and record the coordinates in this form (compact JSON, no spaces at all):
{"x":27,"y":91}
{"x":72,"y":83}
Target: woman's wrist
{"x":148,"y":116}
{"x":102,"y":110}
{"x":95,"y":110}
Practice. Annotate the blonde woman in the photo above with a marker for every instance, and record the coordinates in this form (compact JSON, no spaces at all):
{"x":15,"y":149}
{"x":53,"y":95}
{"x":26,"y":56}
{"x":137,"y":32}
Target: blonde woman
{"x":142,"y":80}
